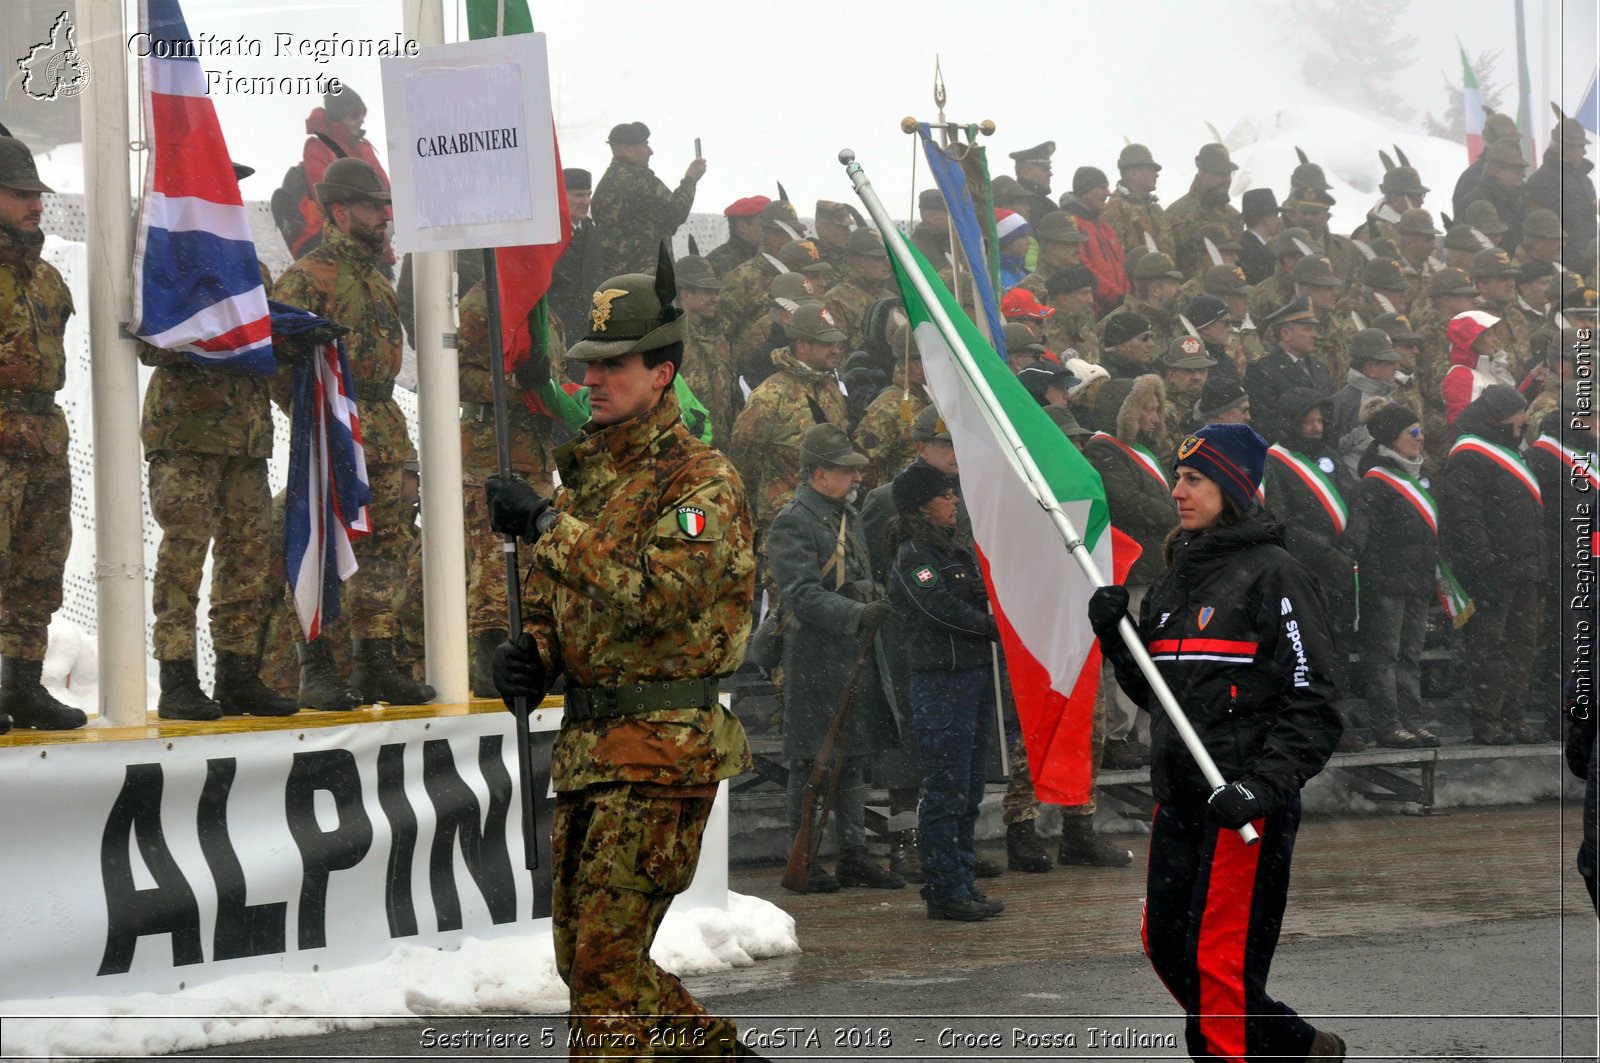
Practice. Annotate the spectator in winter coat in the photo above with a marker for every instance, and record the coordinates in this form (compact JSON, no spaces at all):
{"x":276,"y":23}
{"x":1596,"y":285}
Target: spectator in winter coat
{"x":1491,"y":525}
{"x":1397,"y":546}
{"x":1103,"y":253}
{"x":1478,"y":358}
{"x":340,"y":120}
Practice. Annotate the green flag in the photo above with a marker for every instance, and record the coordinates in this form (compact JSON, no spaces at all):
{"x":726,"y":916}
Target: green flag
{"x":496,"y":18}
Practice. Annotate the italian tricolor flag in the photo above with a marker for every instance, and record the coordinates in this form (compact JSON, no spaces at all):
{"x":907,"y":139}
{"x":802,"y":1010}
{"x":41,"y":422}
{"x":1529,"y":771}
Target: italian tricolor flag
{"x":1471,"y":107}
{"x":1039,"y":592}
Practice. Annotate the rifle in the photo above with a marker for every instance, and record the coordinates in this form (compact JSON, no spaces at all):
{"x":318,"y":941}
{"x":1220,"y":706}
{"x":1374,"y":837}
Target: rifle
{"x":808,"y":839}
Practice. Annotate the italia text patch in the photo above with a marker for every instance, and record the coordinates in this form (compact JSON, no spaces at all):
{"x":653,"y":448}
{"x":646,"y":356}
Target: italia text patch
{"x":692,"y":520}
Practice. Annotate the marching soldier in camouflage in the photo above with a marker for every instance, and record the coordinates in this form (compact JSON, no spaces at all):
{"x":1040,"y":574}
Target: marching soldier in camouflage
{"x":532,"y":458}
{"x":634,"y":208}
{"x":801,"y":393}
{"x":1060,"y":247}
{"x":868,"y":278}
{"x":340,"y":281}
{"x":884,"y":433}
{"x":1071,"y":293}
{"x":645,"y":567}
{"x":1156,"y":284}
{"x":708,"y":366}
{"x":35,"y":476}
{"x":207,"y":435}
{"x":1204,"y":204}
{"x":1132,"y":209}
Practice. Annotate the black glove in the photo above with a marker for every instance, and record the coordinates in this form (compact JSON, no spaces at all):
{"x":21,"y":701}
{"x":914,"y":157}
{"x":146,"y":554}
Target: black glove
{"x":1235,"y":804}
{"x":515,"y":508}
{"x":533,"y":373}
{"x":519,"y":672}
{"x":874,"y":614}
{"x":300,"y":346}
{"x":1107,"y":606}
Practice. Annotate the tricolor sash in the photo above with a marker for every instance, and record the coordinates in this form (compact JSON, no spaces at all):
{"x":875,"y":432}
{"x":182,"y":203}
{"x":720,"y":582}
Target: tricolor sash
{"x":1505,"y":457}
{"x":1457,"y":606}
{"x":1141,"y":457}
{"x":1317,"y":481}
{"x":1581,"y":466}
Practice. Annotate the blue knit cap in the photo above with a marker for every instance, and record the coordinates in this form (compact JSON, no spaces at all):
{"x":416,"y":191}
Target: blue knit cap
{"x":1233,"y":455}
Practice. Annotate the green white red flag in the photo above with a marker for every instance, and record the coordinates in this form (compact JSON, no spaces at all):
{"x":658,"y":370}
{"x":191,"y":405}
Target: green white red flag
{"x":1471,"y":107}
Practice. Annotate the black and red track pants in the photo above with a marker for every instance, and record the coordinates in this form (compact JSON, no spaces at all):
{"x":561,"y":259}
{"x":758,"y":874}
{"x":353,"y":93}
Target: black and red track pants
{"x":1213,"y":909}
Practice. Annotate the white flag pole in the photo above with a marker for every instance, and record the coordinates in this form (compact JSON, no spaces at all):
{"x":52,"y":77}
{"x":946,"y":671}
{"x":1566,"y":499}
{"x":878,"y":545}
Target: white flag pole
{"x":1024,"y":464}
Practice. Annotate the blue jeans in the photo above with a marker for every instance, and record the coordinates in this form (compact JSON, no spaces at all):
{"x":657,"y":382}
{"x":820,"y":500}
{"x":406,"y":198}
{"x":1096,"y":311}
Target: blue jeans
{"x":950,"y":712}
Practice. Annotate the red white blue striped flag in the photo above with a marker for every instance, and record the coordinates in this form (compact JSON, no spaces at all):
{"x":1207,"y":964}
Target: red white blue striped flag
{"x":326,"y":499}
{"x":196,"y":283}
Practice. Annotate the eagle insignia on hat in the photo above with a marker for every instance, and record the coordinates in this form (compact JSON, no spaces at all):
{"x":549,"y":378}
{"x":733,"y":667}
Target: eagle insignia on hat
{"x":1238,"y":274}
{"x":1189,"y":345}
{"x":602,"y":307}
{"x":1189,"y":446}
{"x":811,"y":249}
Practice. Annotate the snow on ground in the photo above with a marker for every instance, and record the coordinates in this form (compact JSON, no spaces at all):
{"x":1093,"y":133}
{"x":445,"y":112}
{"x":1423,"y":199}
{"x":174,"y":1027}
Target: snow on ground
{"x":504,"y":976}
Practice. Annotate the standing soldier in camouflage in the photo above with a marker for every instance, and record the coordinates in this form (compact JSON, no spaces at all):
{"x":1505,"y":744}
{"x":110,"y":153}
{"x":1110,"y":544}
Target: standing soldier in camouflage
{"x":341,"y":282}
{"x":35,"y":477}
{"x":1132,"y":209}
{"x":1314,"y":279}
{"x":647,"y":577}
{"x":207,"y":435}
{"x":1288,"y":248}
{"x":1205,"y":203}
{"x":707,"y":361}
{"x":1033,"y":176}
{"x":834,"y":224}
{"x":802,"y":392}
{"x":744,"y":234}
{"x":1060,"y":247}
{"x":744,"y":294}
{"x":932,"y":233}
{"x":1156,"y":286}
{"x":532,"y":458}
{"x":634,"y":208}
{"x":884,"y":434}
{"x":1184,"y":368}
{"x":868,"y":278}
{"x":1402,"y":190}
{"x":1496,"y":278}
{"x":1070,"y":293}
{"x":1312,"y":209}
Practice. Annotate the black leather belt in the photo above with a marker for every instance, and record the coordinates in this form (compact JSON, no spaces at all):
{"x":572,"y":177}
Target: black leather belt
{"x":595,"y":703}
{"x":28,"y":401}
{"x":375,"y":390}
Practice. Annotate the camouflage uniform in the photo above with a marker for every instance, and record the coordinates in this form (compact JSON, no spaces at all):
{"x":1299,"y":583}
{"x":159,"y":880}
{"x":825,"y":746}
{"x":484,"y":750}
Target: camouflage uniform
{"x":744,"y":302}
{"x":1177,"y":413}
{"x":1432,"y":364}
{"x":1519,"y":327}
{"x":884,"y":433}
{"x":933,"y":242}
{"x":1076,"y":331}
{"x":646,"y":577}
{"x":35,"y":477}
{"x":848,"y":300}
{"x":709,"y":371}
{"x":1271,"y":293}
{"x":1343,"y":254}
{"x":726,"y":256}
{"x":532,"y":458}
{"x":1132,"y":216}
{"x":636,"y":212}
{"x":1333,"y":343}
{"x":1164,"y":326}
{"x":1188,"y":216}
{"x":340,"y":281}
{"x":765,"y":444}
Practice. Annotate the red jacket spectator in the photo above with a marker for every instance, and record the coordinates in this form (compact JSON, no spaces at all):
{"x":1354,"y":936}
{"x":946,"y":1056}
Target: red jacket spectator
{"x":1474,"y":363}
{"x":339,"y":118}
{"x":1103,"y":254}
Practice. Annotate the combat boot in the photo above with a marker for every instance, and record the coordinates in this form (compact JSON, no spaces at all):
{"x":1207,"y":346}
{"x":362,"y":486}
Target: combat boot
{"x":1325,"y":1046}
{"x":856,"y":868}
{"x":483,"y":647}
{"x":25,"y":702}
{"x":376,"y":677}
{"x":1024,"y":851}
{"x":903,"y":859}
{"x":181,"y":696}
{"x":239,"y":691}
{"x":321,"y":685}
{"x":1081,"y":845}
{"x":959,"y":909}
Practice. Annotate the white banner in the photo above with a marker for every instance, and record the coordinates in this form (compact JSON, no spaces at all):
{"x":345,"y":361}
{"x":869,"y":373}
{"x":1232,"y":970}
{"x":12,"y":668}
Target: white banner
{"x":146,"y":866}
{"x":471,"y":145}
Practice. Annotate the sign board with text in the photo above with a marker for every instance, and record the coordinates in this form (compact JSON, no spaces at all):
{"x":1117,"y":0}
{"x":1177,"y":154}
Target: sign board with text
{"x":471,"y":145}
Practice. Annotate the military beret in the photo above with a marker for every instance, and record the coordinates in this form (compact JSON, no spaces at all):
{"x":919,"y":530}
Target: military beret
{"x":17,"y":168}
{"x":1213,"y":158}
{"x":1037,"y":153}
{"x":1155,"y":266}
{"x":811,"y":321}
{"x":748,"y":207}
{"x":1187,"y":352}
{"x":1226,"y":280}
{"x":918,"y":484}
{"x":1061,"y":227}
{"x":1416,"y":222}
{"x":1315,"y":269}
{"x":1382,"y":274}
{"x":1204,"y":309}
{"x":826,"y":444}
{"x":929,"y":427}
{"x":1372,"y":345}
{"x":577,"y":180}
{"x":868,"y":243}
{"x":1258,"y":203}
{"x":1543,"y":224}
{"x":1124,"y":326}
{"x":628,"y":133}
{"x":1482,"y":216}
{"x":1135,"y":155}
{"x":1088,"y":178}
{"x":931,"y":199}
{"x":1450,"y":282}
{"x":1493,"y":262}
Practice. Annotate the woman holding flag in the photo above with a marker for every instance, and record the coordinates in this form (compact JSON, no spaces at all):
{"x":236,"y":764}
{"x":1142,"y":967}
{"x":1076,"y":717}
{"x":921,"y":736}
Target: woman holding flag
{"x":1239,"y":631}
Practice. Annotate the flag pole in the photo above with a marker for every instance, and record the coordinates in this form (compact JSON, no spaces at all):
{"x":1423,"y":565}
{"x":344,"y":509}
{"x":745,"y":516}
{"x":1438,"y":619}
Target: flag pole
{"x":1023,"y":462}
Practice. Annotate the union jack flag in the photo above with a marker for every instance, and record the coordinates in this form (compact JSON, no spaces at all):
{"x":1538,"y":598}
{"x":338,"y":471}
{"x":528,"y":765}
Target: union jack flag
{"x":196,"y":284}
